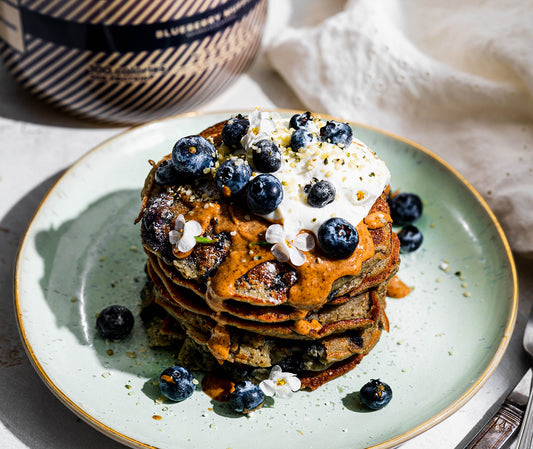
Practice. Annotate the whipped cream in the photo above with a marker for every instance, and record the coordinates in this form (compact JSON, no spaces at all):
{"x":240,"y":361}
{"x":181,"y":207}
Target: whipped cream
{"x":358,"y":175}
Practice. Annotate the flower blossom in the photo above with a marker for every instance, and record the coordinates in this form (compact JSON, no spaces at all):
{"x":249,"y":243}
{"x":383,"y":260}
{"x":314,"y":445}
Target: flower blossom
{"x":280,"y":384}
{"x":286,"y":249}
{"x":262,"y":126}
{"x":184,"y":233}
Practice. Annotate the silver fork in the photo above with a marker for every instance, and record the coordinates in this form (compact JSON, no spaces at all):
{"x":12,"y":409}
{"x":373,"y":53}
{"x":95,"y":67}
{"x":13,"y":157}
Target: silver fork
{"x":526,"y":429}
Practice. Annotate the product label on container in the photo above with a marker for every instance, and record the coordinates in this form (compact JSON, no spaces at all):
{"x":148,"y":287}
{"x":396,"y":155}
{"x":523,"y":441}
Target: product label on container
{"x":123,"y":38}
{"x":203,"y":58}
{"x":11,"y":24}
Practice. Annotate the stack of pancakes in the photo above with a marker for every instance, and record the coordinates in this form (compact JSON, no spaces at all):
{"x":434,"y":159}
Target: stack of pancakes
{"x":231,"y":307}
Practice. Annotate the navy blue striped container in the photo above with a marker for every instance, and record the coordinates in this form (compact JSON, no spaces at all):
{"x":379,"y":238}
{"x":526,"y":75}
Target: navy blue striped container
{"x":128,"y":61}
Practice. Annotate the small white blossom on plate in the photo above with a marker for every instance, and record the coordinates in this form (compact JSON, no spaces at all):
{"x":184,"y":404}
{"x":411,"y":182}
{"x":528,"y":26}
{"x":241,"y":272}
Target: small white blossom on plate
{"x":286,"y":249}
{"x":280,"y":384}
{"x":184,"y":233}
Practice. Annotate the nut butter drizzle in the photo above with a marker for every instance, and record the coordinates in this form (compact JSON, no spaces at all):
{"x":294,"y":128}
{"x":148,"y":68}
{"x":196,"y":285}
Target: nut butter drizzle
{"x":314,"y":278}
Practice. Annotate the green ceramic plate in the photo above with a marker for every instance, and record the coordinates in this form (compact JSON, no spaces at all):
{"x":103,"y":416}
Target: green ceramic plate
{"x":82,"y":252}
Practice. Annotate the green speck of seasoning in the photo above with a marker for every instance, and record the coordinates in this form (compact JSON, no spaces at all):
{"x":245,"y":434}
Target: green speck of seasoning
{"x":205,"y":240}
{"x":262,"y":242}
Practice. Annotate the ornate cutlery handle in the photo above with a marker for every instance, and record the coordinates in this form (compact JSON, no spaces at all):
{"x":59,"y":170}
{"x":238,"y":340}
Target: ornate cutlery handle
{"x":526,"y":431}
{"x":500,"y":430}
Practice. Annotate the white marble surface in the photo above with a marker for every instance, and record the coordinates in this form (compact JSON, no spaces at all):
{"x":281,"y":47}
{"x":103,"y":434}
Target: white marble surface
{"x":36,"y":144}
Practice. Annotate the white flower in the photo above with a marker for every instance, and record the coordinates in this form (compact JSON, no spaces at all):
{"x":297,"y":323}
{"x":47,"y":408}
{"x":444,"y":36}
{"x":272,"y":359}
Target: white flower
{"x":280,"y":384}
{"x":286,"y":249}
{"x":184,"y":234}
{"x":262,"y":125}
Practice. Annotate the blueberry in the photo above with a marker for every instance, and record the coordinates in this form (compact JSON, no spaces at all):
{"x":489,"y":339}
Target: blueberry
{"x":298,"y":121}
{"x":300,"y":139}
{"x":266,"y":156}
{"x":192,"y":155}
{"x":115,"y":322}
{"x":234,"y":130}
{"x":246,"y":398}
{"x":321,"y":193}
{"x":176,"y":383}
{"x":232,"y":176}
{"x":405,"y":208}
{"x":157,"y":221}
{"x":375,"y":394}
{"x":337,"y":133}
{"x":410,"y":239}
{"x":337,"y":238}
{"x":264,"y":194}
{"x":166,"y":174}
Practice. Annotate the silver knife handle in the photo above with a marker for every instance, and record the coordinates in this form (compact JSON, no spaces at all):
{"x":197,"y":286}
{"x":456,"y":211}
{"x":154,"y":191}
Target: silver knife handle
{"x":499,"y":431}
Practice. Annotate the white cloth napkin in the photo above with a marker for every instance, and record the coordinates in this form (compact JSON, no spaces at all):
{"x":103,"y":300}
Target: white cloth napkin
{"x":454,"y":76}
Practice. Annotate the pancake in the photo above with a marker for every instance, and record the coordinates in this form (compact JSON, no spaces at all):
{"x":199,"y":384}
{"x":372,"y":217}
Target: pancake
{"x":250,"y":353}
{"x":231,"y":304}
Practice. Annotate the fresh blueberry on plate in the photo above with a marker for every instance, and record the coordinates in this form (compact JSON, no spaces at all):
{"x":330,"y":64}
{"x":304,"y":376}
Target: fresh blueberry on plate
{"x":266,"y":156}
{"x":405,"y":208}
{"x":321,"y":193}
{"x":298,"y":121}
{"x":232,"y":176}
{"x":166,"y":174}
{"x":338,"y":238}
{"x":192,"y":155}
{"x":410,"y":238}
{"x":300,"y":139}
{"x":264,"y":194}
{"x":115,"y":322}
{"x":375,"y":394}
{"x":176,"y":383}
{"x":247,"y":397}
{"x":336,"y":133}
{"x":234,"y":130}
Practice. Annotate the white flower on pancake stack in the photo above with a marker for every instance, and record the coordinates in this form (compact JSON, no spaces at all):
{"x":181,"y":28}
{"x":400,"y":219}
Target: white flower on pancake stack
{"x":265,"y":125}
{"x":289,"y":249}
{"x":280,"y":384}
{"x":184,"y":233}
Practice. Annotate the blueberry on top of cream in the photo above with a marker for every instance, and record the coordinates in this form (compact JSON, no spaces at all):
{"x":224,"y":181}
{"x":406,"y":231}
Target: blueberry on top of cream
{"x":355,"y":173}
